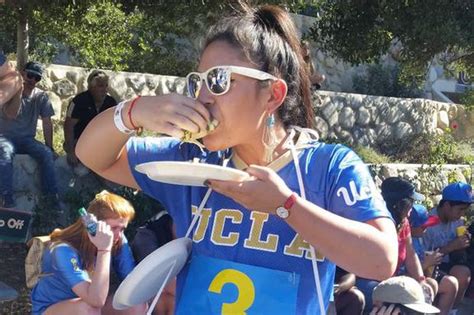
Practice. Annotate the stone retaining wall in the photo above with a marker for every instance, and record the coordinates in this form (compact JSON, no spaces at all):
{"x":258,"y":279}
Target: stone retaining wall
{"x":354,"y":118}
{"x":26,"y":182}
{"x":367,"y":120}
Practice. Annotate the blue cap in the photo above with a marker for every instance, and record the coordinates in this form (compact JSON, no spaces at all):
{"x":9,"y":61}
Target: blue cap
{"x":459,"y":191}
{"x":35,"y":68}
{"x":419,"y":217}
{"x":397,"y":188}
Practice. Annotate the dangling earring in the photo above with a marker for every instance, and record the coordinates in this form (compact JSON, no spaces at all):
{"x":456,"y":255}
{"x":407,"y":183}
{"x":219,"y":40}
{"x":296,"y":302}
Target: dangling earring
{"x":269,"y":138}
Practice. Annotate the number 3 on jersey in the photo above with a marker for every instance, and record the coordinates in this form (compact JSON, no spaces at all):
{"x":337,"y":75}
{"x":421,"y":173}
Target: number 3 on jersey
{"x":245,"y":288}
{"x":215,"y":286}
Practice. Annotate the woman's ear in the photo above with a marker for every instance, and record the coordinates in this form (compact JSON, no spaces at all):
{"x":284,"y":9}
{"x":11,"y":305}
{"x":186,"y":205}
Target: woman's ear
{"x":278,"y":94}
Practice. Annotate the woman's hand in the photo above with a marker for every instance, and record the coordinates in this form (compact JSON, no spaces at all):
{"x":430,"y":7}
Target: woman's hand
{"x":168,"y":114}
{"x":264,"y":191}
{"x":104,"y":237}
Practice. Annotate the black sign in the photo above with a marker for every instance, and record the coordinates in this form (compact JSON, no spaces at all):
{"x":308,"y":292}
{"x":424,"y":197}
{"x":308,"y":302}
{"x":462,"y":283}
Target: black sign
{"x":14,"y":225}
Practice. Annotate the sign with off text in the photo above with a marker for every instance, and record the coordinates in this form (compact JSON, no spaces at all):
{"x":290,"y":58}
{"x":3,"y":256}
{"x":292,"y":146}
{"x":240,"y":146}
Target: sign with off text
{"x":14,"y":225}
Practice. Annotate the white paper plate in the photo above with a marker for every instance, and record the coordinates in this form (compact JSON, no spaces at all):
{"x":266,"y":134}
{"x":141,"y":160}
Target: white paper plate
{"x":153,"y":272}
{"x":188,"y":173}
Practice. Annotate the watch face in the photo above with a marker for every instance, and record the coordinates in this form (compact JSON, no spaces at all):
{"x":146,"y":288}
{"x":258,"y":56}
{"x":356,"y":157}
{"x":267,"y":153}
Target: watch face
{"x":282,"y":212}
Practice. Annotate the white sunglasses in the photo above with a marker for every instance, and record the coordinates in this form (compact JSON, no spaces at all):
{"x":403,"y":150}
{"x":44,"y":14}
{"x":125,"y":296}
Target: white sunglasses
{"x":217,"y":79}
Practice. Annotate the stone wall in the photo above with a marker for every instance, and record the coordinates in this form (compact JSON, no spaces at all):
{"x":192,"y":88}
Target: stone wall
{"x":367,"y":120}
{"x":351,"y":117}
{"x":26,"y":182}
{"x":62,"y":83}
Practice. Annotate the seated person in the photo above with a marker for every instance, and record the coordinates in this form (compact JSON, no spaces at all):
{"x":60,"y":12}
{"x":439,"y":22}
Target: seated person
{"x":77,"y":265}
{"x":83,"y":108}
{"x":347,"y":298}
{"x":399,"y":195}
{"x":17,"y":136}
{"x":155,"y":233}
{"x":11,"y":87}
{"x":448,"y":285}
{"x":470,"y":261}
{"x":400,"y":295}
{"x":456,"y":200}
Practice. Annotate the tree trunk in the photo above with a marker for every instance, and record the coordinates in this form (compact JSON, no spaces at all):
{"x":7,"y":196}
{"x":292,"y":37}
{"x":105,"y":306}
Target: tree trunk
{"x":23,"y":41}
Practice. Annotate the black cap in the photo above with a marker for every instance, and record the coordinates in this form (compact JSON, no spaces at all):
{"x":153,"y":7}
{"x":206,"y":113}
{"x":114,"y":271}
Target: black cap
{"x":35,"y":68}
{"x":397,"y":188}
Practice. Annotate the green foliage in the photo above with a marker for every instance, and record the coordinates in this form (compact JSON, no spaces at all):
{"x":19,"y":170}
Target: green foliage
{"x":467,"y":99}
{"x":429,"y":149}
{"x":8,"y":22}
{"x":384,"y":81}
{"x":58,"y":137}
{"x":97,"y":34}
{"x":371,"y":156}
{"x":139,"y":36}
{"x":362,"y":31}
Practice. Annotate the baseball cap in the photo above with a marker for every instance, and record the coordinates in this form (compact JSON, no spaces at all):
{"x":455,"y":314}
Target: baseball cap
{"x":459,"y":191}
{"x":397,"y":188}
{"x":403,"y":290}
{"x":419,"y":217}
{"x":35,"y":68}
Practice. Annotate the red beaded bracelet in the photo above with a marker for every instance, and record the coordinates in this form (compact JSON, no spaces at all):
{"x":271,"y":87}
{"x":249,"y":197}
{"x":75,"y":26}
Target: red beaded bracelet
{"x":130,"y":112}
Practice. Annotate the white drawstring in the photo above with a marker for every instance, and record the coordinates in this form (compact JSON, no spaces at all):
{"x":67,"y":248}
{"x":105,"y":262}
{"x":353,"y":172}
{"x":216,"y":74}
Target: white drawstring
{"x":203,"y":203}
{"x":157,"y":296}
{"x":198,"y":213}
{"x":317,"y":280}
{"x":289,"y":143}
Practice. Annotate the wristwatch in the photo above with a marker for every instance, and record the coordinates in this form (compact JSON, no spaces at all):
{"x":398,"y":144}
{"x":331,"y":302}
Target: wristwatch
{"x":284,"y":211}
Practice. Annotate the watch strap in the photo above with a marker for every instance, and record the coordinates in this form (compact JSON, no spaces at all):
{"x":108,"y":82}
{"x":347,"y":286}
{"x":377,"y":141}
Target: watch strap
{"x":289,"y":203}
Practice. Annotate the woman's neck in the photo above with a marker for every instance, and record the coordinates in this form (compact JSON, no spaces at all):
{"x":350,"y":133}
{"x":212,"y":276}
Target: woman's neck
{"x":254,"y":153}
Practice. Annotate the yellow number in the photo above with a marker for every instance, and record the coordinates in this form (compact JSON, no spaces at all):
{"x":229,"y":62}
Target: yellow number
{"x":244,"y":286}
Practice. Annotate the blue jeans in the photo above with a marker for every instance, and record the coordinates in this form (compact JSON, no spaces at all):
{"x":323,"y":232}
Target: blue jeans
{"x":38,"y":151}
{"x":367,"y":286}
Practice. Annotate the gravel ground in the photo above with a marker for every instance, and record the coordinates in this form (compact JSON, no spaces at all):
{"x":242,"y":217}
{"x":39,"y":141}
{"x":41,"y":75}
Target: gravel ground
{"x":12,"y":273}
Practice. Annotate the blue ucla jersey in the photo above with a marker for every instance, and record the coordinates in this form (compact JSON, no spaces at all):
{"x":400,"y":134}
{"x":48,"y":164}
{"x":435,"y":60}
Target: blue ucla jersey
{"x":249,"y":261}
{"x":62,"y":266}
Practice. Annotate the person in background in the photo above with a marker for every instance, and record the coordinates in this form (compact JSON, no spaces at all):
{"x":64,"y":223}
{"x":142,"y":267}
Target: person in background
{"x":315,"y":77}
{"x":400,"y":295}
{"x":83,"y":108}
{"x":347,"y":298}
{"x":399,"y":195}
{"x":420,"y":220}
{"x":260,"y":229}
{"x":11,"y":88}
{"x":17,"y":136}
{"x":155,"y":233}
{"x":455,"y":201}
{"x":77,"y":265}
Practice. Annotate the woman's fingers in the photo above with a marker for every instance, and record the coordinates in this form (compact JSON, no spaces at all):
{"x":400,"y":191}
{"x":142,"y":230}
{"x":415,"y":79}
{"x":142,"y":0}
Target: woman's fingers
{"x":198,"y":107}
{"x":169,"y":113}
